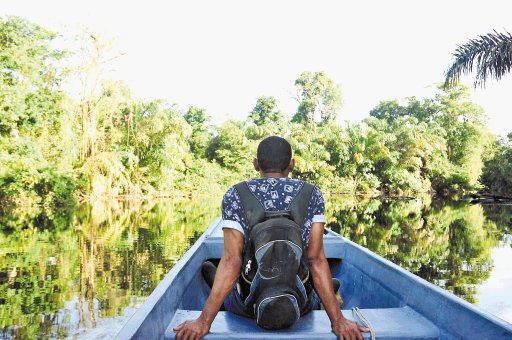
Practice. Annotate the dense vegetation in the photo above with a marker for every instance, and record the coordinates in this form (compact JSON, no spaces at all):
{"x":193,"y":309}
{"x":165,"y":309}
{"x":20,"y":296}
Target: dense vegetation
{"x":107,"y":143}
{"x":497,"y":175}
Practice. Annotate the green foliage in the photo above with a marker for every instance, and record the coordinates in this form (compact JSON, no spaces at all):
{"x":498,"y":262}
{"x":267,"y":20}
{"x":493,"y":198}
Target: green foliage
{"x":441,"y":139}
{"x":497,"y":174}
{"x":233,"y":150}
{"x":23,"y":182}
{"x":311,"y":155}
{"x":196,"y":117}
{"x":109,"y":144}
{"x":319,"y":98}
{"x":201,"y":131}
{"x":28,"y":77}
{"x":161,"y":144}
{"x":266,"y":112}
{"x":31,"y":117}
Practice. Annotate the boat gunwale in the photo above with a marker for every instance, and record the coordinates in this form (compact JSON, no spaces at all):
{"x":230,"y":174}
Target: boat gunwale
{"x":411,"y":300}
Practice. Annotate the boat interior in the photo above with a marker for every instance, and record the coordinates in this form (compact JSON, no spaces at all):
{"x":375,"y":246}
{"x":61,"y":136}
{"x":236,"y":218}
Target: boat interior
{"x":387,"y":312}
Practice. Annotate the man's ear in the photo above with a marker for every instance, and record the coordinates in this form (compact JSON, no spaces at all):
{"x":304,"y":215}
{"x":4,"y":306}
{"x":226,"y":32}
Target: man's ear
{"x":291,"y":165}
{"x":256,"y":164}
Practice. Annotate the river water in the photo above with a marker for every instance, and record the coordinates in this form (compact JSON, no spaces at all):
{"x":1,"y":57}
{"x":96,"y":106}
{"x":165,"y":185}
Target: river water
{"x":81,"y":272}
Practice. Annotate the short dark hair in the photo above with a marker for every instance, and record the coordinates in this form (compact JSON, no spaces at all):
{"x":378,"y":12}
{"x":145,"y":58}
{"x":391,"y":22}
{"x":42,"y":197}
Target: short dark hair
{"x":274,"y":154}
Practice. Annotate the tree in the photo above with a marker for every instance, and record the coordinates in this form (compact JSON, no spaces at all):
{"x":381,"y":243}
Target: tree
{"x":96,"y":55}
{"x":232,"y":149}
{"x":492,"y":54}
{"x":498,"y":168}
{"x":391,"y":110}
{"x":265,"y":111}
{"x":196,"y":117}
{"x":160,"y":144}
{"x":451,"y":116}
{"x":32,"y":116}
{"x":201,"y":134}
{"x":319,"y":98}
{"x":28,"y":77}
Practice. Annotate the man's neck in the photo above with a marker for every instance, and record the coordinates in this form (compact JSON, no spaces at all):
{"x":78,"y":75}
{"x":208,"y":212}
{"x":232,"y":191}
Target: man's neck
{"x":274,"y":174}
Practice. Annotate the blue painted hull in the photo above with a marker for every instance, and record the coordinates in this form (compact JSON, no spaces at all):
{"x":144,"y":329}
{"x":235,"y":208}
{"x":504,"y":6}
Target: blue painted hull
{"x":399,"y":304}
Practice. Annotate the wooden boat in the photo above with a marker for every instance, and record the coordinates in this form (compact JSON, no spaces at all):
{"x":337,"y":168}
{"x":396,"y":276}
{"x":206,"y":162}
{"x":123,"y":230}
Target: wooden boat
{"x":398,"y":304}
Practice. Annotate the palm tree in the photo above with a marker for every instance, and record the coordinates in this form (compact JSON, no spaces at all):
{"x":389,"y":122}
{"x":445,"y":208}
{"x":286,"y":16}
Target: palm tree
{"x":492,"y":54}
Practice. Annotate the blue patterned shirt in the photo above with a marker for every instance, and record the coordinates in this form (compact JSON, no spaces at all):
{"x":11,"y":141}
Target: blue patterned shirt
{"x":275,"y":194}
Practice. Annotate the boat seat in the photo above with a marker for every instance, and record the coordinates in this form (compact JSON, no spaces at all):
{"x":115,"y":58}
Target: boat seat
{"x":388,"y":323}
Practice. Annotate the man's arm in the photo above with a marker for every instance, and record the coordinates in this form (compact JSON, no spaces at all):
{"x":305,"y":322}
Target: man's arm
{"x":225,"y":279}
{"x":322,"y":280}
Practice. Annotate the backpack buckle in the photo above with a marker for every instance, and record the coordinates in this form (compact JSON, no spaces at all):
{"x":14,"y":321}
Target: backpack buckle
{"x":247,"y":267}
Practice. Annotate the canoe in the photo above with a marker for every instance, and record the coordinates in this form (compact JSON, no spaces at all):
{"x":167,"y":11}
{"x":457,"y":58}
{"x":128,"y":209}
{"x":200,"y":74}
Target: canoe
{"x":398,"y":304}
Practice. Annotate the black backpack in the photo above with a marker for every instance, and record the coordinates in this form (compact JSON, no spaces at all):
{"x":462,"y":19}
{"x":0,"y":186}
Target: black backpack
{"x":275,"y":275}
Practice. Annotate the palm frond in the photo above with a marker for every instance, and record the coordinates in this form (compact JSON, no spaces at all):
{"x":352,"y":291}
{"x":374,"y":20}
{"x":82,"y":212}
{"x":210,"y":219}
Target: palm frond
{"x":492,"y":54}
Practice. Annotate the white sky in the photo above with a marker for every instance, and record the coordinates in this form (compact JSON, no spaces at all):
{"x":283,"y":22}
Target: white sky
{"x":221,"y":55}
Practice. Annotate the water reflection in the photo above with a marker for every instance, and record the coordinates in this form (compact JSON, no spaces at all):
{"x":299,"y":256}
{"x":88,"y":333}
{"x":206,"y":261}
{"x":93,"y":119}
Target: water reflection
{"x":445,"y":242}
{"x":89,"y":267}
{"x":83,"y":271}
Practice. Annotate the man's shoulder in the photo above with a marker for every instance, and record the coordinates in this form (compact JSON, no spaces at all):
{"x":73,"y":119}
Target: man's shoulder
{"x":264,"y":184}
{"x":230,"y":194}
{"x":256,"y":182}
{"x":232,"y":191}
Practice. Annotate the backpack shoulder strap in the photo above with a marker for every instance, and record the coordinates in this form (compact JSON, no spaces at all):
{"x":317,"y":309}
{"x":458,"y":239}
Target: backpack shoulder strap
{"x":254,"y":213}
{"x":253,"y":209}
{"x":300,"y":204}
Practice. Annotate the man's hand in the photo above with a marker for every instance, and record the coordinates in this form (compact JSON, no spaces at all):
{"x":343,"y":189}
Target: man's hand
{"x":348,"y":330}
{"x":192,"y":330}
{"x":228,"y":270}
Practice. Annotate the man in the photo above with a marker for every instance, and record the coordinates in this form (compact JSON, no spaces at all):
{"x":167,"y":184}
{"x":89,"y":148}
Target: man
{"x":275,"y":191}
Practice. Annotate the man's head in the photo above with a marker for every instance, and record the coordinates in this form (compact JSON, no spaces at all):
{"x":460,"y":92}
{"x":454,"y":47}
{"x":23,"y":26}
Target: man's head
{"x":274,"y":156}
